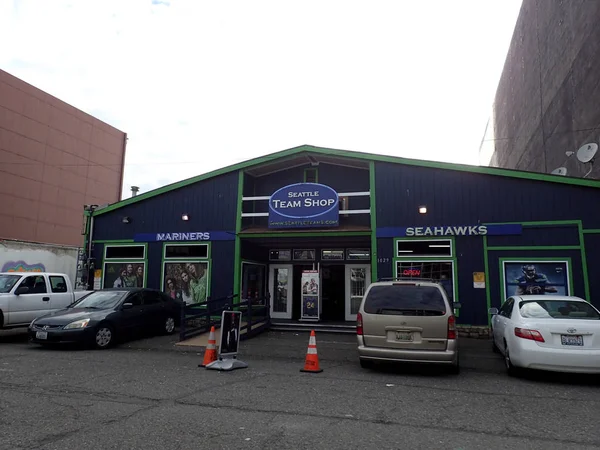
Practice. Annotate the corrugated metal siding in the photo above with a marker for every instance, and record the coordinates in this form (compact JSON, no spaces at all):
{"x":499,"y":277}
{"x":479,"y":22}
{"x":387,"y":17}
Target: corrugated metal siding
{"x":539,"y":236}
{"x":154,"y":273}
{"x":469,"y":254}
{"x":385,"y":255}
{"x":592,"y":244}
{"x":223,"y":253}
{"x":455,"y":198}
{"x":211,"y":205}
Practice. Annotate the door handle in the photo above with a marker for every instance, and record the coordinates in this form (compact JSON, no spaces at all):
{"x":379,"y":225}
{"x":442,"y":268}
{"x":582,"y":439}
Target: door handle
{"x":46,"y":299}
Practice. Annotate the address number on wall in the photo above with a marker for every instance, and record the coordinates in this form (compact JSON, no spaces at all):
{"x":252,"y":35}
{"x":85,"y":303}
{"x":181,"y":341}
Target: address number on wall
{"x":383,"y":260}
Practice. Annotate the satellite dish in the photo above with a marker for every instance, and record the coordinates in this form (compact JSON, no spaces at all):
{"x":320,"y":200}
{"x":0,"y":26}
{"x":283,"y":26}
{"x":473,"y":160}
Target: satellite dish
{"x":560,"y":171}
{"x":587,"y":152}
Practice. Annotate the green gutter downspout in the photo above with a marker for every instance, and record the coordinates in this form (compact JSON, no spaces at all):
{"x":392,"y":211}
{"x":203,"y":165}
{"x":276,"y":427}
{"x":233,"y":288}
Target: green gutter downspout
{"x":373,"y":215}
{"x":486,"y":269}
{"x":238,"y":245}
{"x":584,"y":266}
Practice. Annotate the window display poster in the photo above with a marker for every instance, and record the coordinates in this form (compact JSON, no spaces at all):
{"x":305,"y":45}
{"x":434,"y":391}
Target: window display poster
{"x":186,"y":281}
{"x":123,"y":275}
{"x":310,"y":294}
{"x":536,"y":278}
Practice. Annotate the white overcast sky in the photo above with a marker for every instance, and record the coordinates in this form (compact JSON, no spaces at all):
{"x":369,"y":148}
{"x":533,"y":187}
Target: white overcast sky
{"x":199,"y":85}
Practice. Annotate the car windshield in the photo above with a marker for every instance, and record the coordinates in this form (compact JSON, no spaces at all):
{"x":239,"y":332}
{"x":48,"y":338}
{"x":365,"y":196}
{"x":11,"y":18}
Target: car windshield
{"x":100,"y":300}
{"x":404,"y":299}
{"x":7,"y":282}
{"x":558,"y":309}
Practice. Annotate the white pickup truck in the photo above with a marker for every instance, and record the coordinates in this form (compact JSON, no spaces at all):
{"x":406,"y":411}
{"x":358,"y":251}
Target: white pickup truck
{"x":27,"y":295}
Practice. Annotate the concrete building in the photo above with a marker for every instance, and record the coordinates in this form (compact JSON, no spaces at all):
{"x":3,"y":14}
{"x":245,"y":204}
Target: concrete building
{"x":54,"y":159}
{"x":546,"y":103}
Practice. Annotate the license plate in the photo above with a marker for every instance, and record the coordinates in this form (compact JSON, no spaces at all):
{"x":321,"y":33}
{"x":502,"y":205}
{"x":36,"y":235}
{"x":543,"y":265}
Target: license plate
{"x":41,"y":335}
{"x":571,"y":340}
{"x":403,"y":336}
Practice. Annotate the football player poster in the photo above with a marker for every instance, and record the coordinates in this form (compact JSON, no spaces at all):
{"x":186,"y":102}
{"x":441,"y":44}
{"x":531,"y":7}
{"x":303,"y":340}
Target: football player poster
{"x":536,"y":278}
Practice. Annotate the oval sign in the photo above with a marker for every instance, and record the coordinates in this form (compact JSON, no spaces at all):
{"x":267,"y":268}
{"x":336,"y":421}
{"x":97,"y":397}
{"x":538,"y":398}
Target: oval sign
{"x":304,"y":201}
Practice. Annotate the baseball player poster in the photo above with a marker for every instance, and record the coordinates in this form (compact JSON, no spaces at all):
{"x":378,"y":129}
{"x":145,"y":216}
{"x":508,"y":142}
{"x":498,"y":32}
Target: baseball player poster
{"x":536,"y":278}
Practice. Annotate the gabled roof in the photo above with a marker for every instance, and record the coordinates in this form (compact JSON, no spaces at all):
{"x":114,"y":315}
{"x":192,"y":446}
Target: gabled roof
{"x":270,"y":158}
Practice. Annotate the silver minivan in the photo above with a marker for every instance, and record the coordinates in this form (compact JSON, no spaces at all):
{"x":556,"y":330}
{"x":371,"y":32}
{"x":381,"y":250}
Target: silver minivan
{"x":407,"y":321}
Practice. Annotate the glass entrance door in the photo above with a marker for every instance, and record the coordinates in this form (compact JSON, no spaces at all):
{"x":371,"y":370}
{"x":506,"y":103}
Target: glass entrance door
{"x":358,"y":278}
{"x":281,"y":289}
{"x":254,"y":279}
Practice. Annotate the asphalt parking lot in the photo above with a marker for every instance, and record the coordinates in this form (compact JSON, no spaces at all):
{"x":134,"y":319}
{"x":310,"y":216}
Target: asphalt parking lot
{"x":147,"y":394}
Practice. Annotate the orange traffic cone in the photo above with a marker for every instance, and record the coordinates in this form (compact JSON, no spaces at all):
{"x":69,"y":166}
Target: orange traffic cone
{"x":210,"y":354}
{"x":312,"y":359}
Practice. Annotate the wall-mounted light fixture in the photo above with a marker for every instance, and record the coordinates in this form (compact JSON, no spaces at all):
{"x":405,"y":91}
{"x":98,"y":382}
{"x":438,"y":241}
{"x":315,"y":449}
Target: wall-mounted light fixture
{"x":185,"y":217}
{"x":126,"y":219}
{"x":422,"y":209}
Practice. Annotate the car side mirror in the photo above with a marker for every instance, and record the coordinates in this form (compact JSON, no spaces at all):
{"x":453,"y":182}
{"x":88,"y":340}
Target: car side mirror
{"x":456,"y":305}
{"x":493,"y":311}
{"x":127,"y":305}
{"x":22,"y":290}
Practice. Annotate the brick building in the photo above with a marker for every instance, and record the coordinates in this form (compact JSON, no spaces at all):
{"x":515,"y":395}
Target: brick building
{"x":54,"y":159}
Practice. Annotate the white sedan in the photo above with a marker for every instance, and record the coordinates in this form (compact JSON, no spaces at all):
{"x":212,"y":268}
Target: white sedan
{"x":547,"y":332}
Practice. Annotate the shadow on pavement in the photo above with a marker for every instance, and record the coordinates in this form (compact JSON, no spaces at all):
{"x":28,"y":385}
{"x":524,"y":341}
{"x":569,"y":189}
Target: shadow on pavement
{"x":13,"y":336}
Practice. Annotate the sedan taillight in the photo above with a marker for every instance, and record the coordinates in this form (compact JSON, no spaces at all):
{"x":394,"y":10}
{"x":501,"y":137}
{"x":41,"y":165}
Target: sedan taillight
{"x":533,"y":335}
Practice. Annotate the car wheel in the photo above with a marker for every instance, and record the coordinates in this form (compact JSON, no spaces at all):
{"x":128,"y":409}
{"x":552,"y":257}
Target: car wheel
{"x":455,"y":367}
{"x":495,"y":348}
{"x":168,"y":325}
{"x":104,"y":336}
{"x":510,"y":368}
{"x":365,"y":364}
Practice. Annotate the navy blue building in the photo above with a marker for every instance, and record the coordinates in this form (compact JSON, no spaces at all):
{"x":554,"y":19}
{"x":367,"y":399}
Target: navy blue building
{"x":311,"y":227}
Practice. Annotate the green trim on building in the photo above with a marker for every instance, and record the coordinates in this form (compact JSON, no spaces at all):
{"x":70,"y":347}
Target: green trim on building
{"x":237,"y":258}
{"x":206,"y":260}
{"x":124,"y":260}
{"x":584,"y":266}
{"x":502,"y":281}
{"x":486,"y":269}
{"x":537,"y":223}
{"x":534,"y":247}
{"x":300,"y":234}
{"x":597,"y":231}
{"x":353,"y":155}
{"x":373,"y":207}
{"x":435,"y":258}
{"x":207,"y":244}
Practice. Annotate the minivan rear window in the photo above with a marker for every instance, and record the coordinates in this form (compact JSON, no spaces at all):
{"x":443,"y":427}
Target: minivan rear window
{"x":405,"y":300}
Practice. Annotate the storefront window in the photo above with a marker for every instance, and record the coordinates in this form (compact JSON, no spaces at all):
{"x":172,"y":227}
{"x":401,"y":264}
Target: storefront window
{"x":186,"y":272}
{"x":124,"y":266}
{"x":253,"y":283}
{"x":441,"y":271}
{"x":414,"y":248}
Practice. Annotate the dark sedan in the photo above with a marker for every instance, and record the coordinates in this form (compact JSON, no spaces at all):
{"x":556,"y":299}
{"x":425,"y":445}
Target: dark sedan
{"x":103,"y":316}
